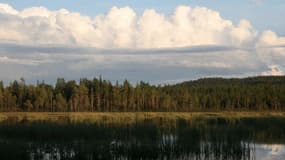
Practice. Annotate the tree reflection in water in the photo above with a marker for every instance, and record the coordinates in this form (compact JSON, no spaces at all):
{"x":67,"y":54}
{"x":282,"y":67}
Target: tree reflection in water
{"x":199,"y":139}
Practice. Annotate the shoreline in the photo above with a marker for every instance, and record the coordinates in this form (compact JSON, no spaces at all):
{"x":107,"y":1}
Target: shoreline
{"x":130,"y":117}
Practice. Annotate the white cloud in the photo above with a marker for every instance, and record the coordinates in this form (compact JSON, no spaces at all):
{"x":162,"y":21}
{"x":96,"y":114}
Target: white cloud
{"x":275,"y":71}
{"x":123,"y":28}
{"x":6,"y":9}
{"x":153,"y":65}
{"x":29,"y":61}
{"x":147,"y":46}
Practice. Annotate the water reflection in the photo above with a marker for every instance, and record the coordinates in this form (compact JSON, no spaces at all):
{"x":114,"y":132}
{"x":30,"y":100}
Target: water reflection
{"x":200,"y":139}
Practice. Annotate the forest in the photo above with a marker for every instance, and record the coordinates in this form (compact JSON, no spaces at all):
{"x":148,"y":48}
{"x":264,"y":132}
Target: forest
{"x":98,"y":95}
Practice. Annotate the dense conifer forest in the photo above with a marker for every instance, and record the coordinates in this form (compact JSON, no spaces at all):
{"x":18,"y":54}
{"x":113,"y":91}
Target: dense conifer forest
{"x":98,"y":95}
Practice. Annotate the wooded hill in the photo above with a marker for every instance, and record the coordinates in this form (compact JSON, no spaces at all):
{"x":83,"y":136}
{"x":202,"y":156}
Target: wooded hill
{"x":208,"y":94}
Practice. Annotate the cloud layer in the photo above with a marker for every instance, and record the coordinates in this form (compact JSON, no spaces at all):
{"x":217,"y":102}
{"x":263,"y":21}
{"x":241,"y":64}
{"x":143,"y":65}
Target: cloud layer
{"x":191,"y":42}
{"x":123,"y":28}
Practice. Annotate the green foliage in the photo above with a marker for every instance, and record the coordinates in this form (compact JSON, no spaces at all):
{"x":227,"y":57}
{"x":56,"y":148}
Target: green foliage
{"x":209,"y":94}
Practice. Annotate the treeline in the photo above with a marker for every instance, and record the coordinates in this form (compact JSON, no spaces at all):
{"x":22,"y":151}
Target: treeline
{"x":98,"y":95}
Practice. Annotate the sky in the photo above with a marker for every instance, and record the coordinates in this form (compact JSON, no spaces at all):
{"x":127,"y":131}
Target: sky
{"x":263,"y":14}
{"x":156,"y":41}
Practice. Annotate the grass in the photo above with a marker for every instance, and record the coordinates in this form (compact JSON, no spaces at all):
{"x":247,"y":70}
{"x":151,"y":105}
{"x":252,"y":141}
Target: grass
{"x":129,"y":117}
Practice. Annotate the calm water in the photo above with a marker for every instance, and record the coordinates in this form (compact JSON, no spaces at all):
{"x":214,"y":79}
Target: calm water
{"x":199,"y":139}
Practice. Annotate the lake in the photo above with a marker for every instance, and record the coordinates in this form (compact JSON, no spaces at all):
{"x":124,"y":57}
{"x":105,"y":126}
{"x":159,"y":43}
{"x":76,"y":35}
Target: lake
{"x":142,"y":136}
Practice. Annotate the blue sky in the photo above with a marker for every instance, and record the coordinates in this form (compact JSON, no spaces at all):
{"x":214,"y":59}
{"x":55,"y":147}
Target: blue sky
{"x":263,"y":14}
{"x":159,"y":41}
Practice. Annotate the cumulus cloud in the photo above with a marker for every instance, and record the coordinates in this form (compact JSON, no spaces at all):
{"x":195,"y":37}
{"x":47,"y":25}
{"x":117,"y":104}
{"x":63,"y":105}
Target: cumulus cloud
{"x":191,"y":42}
{"x":123,"y":28}
{"x":6,"y":9}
